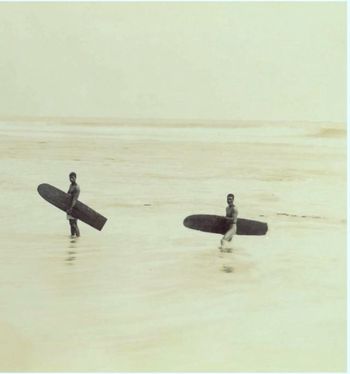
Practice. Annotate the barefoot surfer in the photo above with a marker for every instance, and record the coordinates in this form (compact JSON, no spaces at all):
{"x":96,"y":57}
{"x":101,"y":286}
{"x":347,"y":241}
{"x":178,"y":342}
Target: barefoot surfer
{"x":231,"y":213}
{"x":73,"y":192}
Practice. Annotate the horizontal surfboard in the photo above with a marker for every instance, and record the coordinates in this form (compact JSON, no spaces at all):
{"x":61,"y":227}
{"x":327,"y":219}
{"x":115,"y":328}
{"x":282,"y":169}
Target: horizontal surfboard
{"x":220,"y":224}
{"x":80,"y":211}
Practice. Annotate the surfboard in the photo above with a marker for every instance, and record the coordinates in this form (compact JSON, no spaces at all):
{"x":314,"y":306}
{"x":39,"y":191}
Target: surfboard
{"x":80,"y":211}
{"x":220,"y":224}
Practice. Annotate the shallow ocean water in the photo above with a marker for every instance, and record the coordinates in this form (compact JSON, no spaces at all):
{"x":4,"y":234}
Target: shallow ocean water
{"x":148,"y":294}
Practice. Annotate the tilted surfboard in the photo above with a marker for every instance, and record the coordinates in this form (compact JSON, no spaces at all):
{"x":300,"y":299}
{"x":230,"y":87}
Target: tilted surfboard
{"x":80,"y":211}
{"x":221,"y":224}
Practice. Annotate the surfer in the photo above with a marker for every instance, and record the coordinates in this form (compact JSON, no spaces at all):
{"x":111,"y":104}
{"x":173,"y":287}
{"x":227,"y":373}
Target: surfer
{"x":231,"y":213}
{"x":73,"y":192}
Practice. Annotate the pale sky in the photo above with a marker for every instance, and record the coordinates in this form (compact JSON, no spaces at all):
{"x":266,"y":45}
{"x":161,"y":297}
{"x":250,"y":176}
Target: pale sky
{"x":224,"y":61}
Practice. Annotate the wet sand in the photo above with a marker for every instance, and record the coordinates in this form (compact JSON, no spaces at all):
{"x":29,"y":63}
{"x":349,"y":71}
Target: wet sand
{"x":147,"y":294}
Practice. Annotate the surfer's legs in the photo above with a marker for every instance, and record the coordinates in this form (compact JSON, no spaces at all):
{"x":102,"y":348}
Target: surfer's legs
{"x":74,"y":230}
{"x":77,"y":232}
{"x":229,"y":235}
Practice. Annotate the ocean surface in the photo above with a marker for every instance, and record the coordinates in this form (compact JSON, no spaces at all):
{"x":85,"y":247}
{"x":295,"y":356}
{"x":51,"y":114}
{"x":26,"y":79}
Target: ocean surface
{"x":148,"y":294}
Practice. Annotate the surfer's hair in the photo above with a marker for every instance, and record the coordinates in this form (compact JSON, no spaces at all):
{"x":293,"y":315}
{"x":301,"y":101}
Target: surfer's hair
{"x":231,"y":195}
{"x":73,"y":174}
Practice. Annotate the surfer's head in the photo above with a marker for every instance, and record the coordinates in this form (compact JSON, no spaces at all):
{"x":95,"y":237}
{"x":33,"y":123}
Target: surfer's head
{"x":72,"y":176}
{"x":230,"y":198}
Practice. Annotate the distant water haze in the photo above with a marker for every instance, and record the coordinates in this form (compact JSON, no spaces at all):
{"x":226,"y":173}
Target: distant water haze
{"x":148,"y":294}
{"x":228,"y":60}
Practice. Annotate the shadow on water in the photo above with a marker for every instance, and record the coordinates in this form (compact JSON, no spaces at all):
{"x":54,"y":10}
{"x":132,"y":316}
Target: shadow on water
{"x":72,"y":251}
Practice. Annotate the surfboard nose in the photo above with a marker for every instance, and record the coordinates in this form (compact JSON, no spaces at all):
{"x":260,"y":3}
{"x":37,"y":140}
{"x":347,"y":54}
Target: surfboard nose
{"x":186,"y":221}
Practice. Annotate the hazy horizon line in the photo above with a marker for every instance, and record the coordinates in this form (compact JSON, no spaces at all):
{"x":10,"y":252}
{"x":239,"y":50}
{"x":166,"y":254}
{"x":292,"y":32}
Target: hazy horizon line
{"x":155,"y":121}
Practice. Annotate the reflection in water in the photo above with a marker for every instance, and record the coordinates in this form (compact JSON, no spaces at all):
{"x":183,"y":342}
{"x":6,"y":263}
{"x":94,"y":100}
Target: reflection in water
{"x":226,"y":250}
{"x":227,"y":268}
{"x":71,"y":251}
